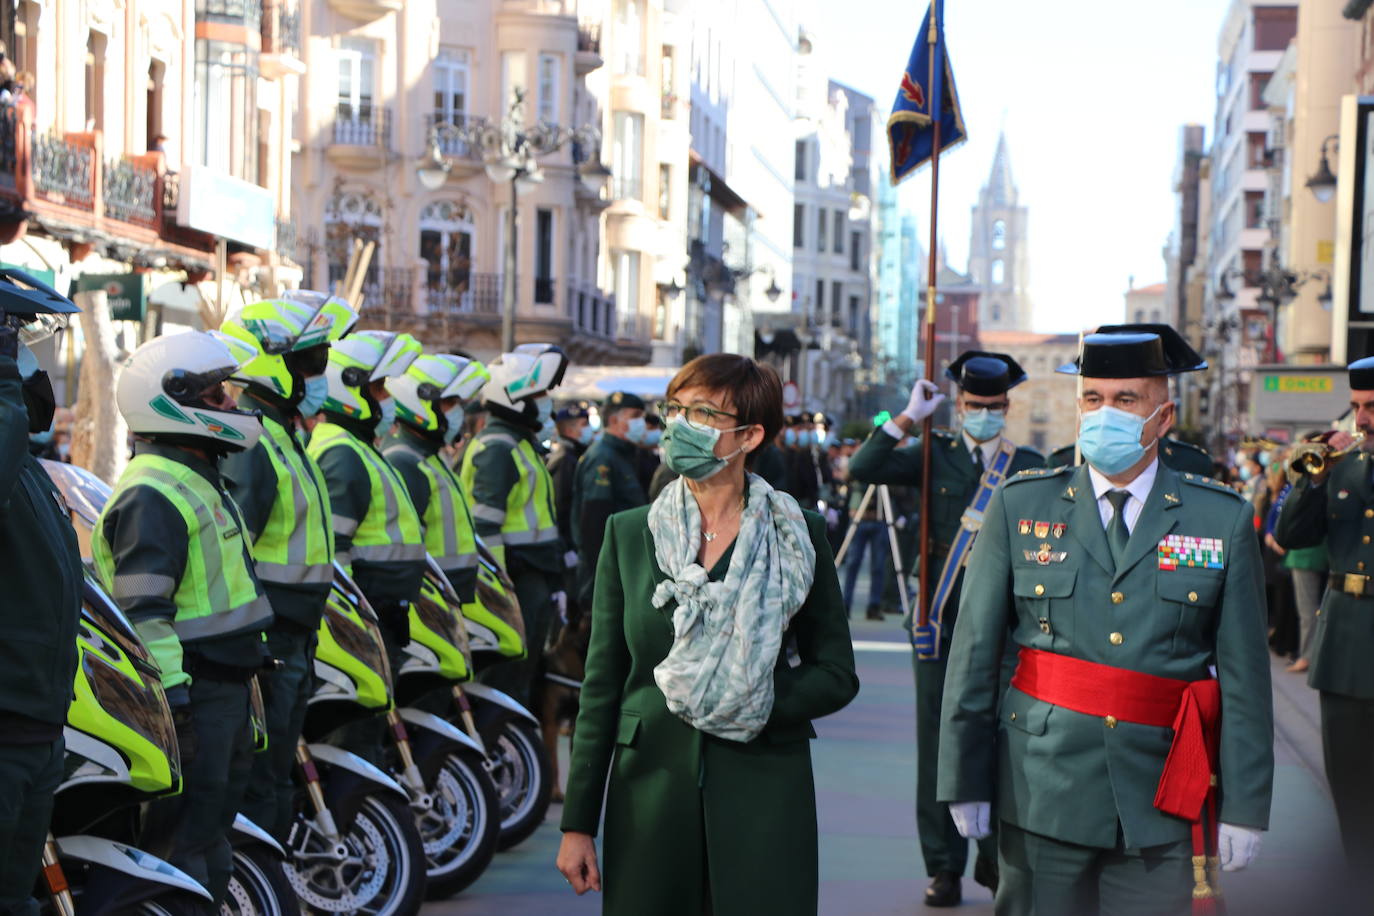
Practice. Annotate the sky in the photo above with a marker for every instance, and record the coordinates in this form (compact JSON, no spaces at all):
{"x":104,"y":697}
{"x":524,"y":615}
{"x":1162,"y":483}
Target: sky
{"x":1091,"y":95}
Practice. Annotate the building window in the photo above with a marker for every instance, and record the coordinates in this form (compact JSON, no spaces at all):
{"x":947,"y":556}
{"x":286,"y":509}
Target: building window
{"x":357,"y":69}
{"x":629,"y":37}
{"x":226,"y":105}
{"x":627,"y":167}
{"x":452,"y":73}
{"x":446,"y":234}
{"x":998,"y":275}
{"x":1256,"y":150}
{"x":548,"y":89}
{"x":1257,"y":83}
{"x":821,"y":223}
{"x":665,"y":191}
{"x":799,"y":167}
{"x":836,"y":302}
{"x":996,"y":313}
{"x":999,"y":235}
{"x":1254,"y":209}
{"x":798,"y":225}
{"x":157,"y":74}
{"x":543,"y":256}
{"x":350,"y":217}
{"x":1275,"y":27}
{"x":838,"y":237}
{"x":626,"y":270}
{"x":1252,"y":263}
{"x":855,"y":248}
{"x":854,"y":316}
{"x":96,"y":45}
{"x":820,"y":300}
{"x":512,"y":78}
{"x":660,"y":314}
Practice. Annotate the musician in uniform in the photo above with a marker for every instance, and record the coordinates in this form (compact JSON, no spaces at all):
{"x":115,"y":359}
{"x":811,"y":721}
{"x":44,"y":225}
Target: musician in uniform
{"x":974,"y":458}
{"x":1333,"y":501}
{"x":1135,"y":601}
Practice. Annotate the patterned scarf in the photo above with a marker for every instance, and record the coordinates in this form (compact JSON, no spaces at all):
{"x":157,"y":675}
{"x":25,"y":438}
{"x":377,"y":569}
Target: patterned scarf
{"x":718,"y":675}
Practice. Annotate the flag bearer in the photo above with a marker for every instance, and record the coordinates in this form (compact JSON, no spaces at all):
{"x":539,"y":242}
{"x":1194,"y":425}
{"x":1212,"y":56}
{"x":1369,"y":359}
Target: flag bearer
{"x":170,"y":549}
{"x":512,"y":496}
{"x":285,"y":505}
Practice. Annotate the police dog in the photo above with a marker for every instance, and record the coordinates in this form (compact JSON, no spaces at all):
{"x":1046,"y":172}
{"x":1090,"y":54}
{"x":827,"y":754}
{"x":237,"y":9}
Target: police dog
{"x":555,"y":703}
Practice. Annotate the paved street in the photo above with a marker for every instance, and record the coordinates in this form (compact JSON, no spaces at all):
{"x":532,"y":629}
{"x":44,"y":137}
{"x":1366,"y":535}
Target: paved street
{"x":870,"y":863}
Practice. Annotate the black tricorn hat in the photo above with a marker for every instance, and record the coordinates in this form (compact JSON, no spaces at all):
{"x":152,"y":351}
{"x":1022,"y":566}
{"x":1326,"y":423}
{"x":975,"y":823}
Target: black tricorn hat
{"x":1362,"y":374}
{"x":1134,"y":351}
{"x":985,"y":374}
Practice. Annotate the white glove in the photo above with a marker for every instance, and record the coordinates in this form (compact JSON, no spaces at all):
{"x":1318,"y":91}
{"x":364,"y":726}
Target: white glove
{"x":1237,"y":846}
{"x":973,"y":819}
{"x":570,"y":559}
{"x":925,"y":398}
{"x":560,"y":599}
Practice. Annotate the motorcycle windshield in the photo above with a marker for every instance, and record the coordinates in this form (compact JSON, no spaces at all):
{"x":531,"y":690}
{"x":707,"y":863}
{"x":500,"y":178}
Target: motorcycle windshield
{"x":86,"y":495}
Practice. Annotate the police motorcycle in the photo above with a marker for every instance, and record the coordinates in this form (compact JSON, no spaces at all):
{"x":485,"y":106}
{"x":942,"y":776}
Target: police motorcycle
{"x":121,"y":751}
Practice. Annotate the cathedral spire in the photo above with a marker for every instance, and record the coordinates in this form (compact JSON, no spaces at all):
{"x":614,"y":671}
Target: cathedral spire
{"x":1000,"y":188}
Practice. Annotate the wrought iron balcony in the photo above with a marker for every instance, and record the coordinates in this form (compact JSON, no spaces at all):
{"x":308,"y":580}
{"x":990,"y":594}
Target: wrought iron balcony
{"x":247,"y":13}
{"x":64,"y":172}
{"x":367,"y":125}
{"x":589,"y":36}
{"x":591,"y":310}
{"x":281,"y":28}
{"x":130,"y":193}
{"x":449,"y":144}
{"x":462,"y":292}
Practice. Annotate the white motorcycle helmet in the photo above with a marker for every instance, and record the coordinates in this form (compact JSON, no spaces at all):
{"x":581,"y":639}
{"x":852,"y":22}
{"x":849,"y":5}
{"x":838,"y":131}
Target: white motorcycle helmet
{"x":159,"y":391}
{"x":520,"y":379}
{"x":364,"y":357}
{"x":430,"y":379}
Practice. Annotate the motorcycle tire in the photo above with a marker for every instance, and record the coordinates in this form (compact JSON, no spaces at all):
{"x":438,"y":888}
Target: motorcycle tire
{"x":519,"y":766}
{"x":460,"y":831}
{"x":258,"y":886}
{"x":383,"y":873}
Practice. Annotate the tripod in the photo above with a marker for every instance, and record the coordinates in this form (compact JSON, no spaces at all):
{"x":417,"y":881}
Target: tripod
{"x":889,"y":518}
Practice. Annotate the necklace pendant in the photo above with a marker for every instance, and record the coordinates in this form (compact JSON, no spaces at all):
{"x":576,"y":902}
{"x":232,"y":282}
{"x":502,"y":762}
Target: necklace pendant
{"x":709,"y":536}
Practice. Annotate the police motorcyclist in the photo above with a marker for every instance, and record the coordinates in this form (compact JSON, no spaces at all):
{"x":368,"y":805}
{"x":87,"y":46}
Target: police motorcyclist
{"x":170,"y":549}
{"x":286,"y":514}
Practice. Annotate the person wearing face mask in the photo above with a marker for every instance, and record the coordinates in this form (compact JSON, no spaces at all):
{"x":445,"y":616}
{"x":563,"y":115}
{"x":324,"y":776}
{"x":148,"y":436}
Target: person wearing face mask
{"x":1136,"y":737}
{"x":42,"y":579}
{"x":170,"y":548}
{"x":691,"y":702}
{"x":512,"y":498}
{"x":283,"y":498}
{"x":965,"y":465}
{"x":803,"y":471}
{"x":575,"y":435}
{"x":647,"y":461}
{"x":378,"y":538}
{"x":607,"y":482}
{"x":429,"y":415}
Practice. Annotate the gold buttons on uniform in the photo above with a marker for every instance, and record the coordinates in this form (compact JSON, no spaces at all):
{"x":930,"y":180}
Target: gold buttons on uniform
{"x":1117,"y":597}
{"x":1360,"y":565}
{"x":1192,"y":596}
{"x":1045,"y":625}
{"x":1111,"y":721}
{"x":1365,"y":539}
{"x":1369,"y":513}
{"x":1116,"y":639}
{"x":1040,"y":589}
{"x":1013,"y":717}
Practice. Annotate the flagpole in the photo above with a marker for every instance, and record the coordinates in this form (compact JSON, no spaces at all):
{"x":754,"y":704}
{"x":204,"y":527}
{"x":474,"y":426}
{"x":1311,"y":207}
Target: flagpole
{"x":932,"y":266}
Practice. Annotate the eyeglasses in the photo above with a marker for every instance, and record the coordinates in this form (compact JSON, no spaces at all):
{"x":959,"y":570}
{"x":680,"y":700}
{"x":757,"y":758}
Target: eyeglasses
{"x":696,"y":415}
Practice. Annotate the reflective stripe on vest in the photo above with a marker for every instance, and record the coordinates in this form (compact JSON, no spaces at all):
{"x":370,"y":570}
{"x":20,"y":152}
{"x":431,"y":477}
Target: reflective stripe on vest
{"x":216,"y":594}
{"x":449,"y":536}
{"x":296,"y":546}
{"x":390,"y":532}
{"x":529,"y":517}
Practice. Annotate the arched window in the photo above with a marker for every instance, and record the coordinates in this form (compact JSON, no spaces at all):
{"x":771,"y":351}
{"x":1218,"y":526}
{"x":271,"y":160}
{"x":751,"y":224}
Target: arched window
{"x":999,"y":272}
{"x":999,"y":235}
{"x":446,"y":236}
{"x":353,"y":215}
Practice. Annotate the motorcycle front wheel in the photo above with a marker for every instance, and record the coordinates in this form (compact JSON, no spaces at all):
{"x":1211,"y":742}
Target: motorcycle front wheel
{"x":258,"y":886}
{"x":461,"y":829}
{"x":519,"y":766}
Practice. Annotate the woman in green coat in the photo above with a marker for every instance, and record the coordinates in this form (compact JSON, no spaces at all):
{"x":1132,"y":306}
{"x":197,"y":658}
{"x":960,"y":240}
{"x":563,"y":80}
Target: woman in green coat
{"x":718,"y":634}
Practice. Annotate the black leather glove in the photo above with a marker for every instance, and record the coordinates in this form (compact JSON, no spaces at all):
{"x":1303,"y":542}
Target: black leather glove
{"x":185,"y":723}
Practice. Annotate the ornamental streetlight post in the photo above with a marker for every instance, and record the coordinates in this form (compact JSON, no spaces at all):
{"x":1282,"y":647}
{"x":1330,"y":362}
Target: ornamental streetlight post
{"x":509,"y":152}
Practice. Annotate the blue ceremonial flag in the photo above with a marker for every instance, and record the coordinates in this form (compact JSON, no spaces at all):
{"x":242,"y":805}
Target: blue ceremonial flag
{"x":927,"y":96}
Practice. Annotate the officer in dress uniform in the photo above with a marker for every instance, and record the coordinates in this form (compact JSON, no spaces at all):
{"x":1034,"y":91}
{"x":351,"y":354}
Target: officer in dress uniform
{"x":1336,"y":505}
{"x":1135,"y":601}
{"x":958,"y":463}
{"x":575,"y":435}
{"x":607,"y":482}
{"x":1173,"y":453}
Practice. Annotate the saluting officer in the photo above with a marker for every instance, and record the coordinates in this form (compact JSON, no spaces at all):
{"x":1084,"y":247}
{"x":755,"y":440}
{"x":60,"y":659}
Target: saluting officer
{"x":1123,"y":582}
{"x":1173,"y":453}
{"x":1336,"y":505}
{"x":962,"y":463}
{"x":607,"y":482}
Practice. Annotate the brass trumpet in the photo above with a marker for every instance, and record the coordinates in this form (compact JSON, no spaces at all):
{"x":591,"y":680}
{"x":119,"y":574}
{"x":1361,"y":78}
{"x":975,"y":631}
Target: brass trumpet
{"x":1318,"y":457}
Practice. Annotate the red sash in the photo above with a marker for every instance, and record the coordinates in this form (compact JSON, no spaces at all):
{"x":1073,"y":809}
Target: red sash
{"x":1191,"y":708}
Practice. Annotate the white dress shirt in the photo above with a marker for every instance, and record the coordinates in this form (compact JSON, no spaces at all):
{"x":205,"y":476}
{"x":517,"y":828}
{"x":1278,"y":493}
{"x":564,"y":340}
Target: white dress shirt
{"x":1138,"y":488}
{"x":989,"y":448}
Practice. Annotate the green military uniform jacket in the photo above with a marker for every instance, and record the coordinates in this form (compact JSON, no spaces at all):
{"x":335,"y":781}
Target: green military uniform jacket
{"x":562,"y":466}
{"x":954,"y":481}
{"x":771,"y":465}
{"x":1339,"y":512}
{"x":1174,"y":453}
{"x":251,"y":479}
{"x":1074,"y":777}
{"x":679,"y":798}
{"x":406,"y":449}
{"x":42,"y":578}
{"x":607,"y":482}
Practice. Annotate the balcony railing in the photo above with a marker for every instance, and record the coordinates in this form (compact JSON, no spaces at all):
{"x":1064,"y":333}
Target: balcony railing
{"x":281,"y":28}
{"x":462,"y":293}
{"x":246,"y":12}
{"x":449,"y":145}
{"x":589,"y":37}
{"x":365,"y":126}
{"x":64,"y":172}
{"x":591,"y":310}
{"x":543,"y":290}
{"x":130,"y":193}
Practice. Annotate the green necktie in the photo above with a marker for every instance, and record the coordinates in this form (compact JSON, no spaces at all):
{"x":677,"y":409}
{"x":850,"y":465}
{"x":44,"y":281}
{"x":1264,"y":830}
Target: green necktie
{"x":1117,"y":533}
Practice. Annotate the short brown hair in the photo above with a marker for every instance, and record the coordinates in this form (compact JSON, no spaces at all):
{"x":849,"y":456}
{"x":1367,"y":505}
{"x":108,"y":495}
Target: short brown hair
{"x":753,"y":389}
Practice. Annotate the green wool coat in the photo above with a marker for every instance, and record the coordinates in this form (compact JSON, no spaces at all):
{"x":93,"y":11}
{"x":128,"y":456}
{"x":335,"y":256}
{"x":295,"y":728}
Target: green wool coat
{"x":1340,"y":512}
{"x":682,"y":804}
{"x":1075,"y":777}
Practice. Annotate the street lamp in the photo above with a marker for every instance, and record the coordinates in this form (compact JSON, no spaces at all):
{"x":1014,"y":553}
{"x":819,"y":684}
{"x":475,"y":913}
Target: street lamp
{"x":1323,"y":183}
{"x":509,"y":152}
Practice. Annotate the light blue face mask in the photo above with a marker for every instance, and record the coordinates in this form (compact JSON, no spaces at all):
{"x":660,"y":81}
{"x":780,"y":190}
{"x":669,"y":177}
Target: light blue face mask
{"x":635,"y":430}
{"x":386,"y":410}
{"x":586,"y":435}
{"x":316,"y":391}
{"x":42,"y":438}
{"x":789,"y":437}
{"x":1109,"y":438}
{"x":984,"y":424}
{"x":544,"y":409}
{"x":454,"y":418}
{"x":653,"y":437}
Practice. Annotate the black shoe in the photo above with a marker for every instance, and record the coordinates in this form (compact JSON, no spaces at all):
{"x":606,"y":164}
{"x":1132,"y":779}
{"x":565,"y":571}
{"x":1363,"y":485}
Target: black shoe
{"x":985,"y":873}
{"x":944,"y":890}
{"x":874,"y":614}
